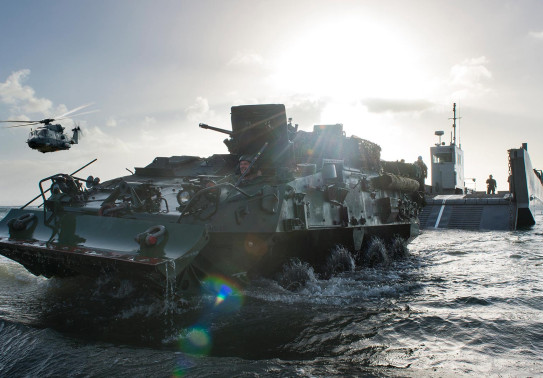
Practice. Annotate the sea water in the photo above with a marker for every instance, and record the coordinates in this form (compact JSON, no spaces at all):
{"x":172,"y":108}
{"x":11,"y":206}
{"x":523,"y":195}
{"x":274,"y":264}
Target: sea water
{"x":461,"y":303}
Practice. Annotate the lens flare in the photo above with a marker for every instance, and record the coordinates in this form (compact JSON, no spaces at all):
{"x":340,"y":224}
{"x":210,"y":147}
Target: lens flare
{"x":228,"y":297}
{"x":184,"y":364}
{"x":255,"y":246}
{"x":196,"y":340}
{"x":224,"y":292}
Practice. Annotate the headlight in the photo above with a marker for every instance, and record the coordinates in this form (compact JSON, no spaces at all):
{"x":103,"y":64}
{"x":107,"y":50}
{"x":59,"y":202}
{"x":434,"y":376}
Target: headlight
{"x":184,"y":196}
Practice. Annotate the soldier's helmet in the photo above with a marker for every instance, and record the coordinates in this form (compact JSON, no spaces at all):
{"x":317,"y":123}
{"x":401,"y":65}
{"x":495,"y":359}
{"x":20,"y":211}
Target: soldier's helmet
{"x":248,"y":158}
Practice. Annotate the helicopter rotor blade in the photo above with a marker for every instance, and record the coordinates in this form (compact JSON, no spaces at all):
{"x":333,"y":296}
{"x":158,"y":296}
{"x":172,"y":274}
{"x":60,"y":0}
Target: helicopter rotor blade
{"x":89,"y":112}
{"x":18,"y":121}
{"x":25,"y":124}
{"x":77,"y":115}
{"x":72,"y":111}
{"x":49,"y":120}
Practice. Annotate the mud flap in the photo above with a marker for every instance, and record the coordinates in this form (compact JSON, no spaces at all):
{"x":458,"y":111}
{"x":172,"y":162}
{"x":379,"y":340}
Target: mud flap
{"x":358,"y":238}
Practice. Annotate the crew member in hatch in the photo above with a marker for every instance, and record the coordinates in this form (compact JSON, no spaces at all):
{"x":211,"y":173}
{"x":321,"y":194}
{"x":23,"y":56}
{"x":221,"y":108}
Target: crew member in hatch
{"x":244,"y":165}
{"x":490,"y":185}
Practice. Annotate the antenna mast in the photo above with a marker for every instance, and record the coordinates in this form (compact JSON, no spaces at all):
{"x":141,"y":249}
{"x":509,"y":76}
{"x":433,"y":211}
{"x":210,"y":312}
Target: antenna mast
{"x":454,"y":125}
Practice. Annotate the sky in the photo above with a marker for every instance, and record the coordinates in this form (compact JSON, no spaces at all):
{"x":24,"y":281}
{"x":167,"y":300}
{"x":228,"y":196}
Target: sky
{"x":389,"y":71}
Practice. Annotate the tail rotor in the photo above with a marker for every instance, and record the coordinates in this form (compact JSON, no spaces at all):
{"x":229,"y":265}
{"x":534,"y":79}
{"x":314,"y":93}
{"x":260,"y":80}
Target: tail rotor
{"x":77,"y":133}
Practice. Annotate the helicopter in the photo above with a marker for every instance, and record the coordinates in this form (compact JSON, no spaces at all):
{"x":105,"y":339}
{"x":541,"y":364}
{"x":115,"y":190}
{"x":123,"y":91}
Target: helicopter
{"x":51,"y":137}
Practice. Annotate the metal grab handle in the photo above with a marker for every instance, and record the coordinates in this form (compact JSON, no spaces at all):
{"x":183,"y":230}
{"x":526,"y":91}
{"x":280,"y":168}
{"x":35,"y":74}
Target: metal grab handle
{"x":42,"y":193}
{"x":211,"y":188}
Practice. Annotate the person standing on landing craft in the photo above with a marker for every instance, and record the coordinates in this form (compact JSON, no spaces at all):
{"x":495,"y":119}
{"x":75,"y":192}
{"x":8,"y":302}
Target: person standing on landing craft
{"x":423,"y":173}
{"x":490,"y":185}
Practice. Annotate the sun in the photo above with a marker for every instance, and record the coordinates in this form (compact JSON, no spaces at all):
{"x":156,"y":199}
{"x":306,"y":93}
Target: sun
{"x":343,"y":63}
{"x":350,"y":59}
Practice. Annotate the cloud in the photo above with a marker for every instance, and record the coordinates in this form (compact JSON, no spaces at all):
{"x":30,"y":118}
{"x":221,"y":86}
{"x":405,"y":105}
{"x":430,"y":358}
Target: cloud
{"x":22,"y":98}
{"x":470,"y":73}
{"x":149,"y":133}
{"x":246,"y":59}
{"x":381,"y":105}
{"x":104,"y":142}
{"x":536,"y":35}
{"x":20,"y":188}
{"x":149,"y":121}
{"x":199,"y":110}
{"x":469,"y":79}
{"x":305,"y":110}
{"x":111,"y":122}
{"x":248,"y":64}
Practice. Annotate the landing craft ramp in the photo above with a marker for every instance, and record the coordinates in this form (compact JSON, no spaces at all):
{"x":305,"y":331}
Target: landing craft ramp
{"x":469,"y":212}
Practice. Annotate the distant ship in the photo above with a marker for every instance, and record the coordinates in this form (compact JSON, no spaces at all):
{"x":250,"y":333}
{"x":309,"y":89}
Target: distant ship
{"x":450,"y":204}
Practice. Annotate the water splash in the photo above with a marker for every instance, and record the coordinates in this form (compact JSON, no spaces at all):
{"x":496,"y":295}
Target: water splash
{"x":296,"y":274}
{"x":398,"y":248}
{"x":339,"y":261}
{"x":376,"y":253}
{"x":170,"y":288}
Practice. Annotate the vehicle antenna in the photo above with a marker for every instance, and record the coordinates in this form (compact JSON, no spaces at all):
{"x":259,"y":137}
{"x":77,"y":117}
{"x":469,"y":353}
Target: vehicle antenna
{"x":454,"y":126}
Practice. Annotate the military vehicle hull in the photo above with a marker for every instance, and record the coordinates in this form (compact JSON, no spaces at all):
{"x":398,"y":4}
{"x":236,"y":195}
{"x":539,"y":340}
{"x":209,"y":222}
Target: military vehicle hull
{"x":183,"y":219}
{"x":240,"y":256}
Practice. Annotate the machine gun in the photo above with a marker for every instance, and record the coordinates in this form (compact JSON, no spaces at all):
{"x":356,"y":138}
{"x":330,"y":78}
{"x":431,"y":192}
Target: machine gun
{"x":224,"y":131}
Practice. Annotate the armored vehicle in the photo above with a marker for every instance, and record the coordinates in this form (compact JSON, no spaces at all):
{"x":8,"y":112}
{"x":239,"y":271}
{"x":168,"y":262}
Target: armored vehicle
{"x":183,"y":219}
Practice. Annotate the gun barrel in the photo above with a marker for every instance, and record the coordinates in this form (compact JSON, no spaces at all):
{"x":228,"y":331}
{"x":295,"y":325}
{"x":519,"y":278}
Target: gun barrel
{"x":204,"y":126}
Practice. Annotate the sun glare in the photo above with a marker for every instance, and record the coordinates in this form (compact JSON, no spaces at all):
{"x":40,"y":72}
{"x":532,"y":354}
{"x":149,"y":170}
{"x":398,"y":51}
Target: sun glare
{"x":350,"y":59}
{"x":345,"y":63}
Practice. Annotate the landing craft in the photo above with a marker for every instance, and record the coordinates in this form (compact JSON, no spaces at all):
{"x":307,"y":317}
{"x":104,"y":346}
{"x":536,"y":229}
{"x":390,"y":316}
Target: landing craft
{"x":51,"y":137}
{"x":279,"y":194}
{"x":450,"y":203}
